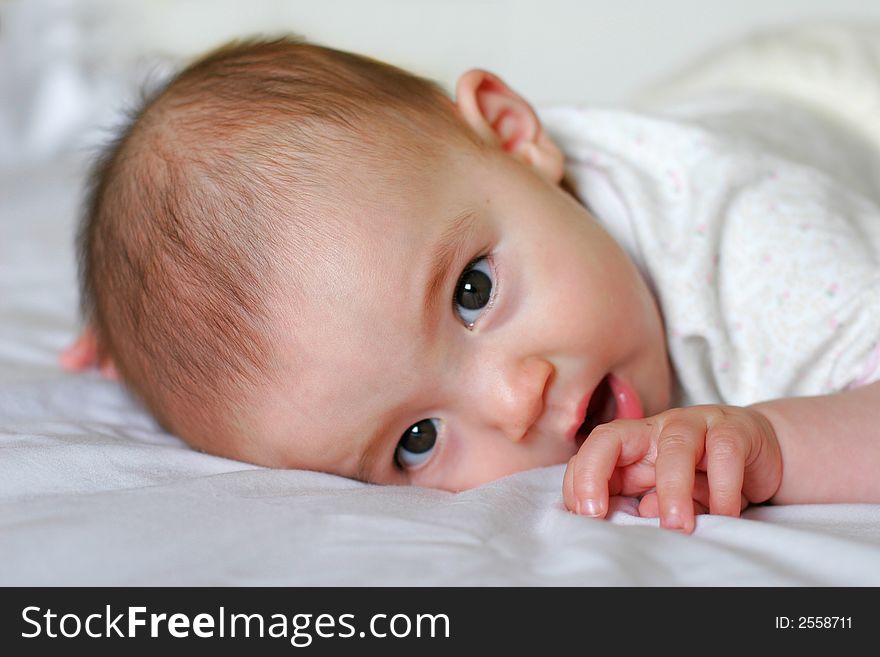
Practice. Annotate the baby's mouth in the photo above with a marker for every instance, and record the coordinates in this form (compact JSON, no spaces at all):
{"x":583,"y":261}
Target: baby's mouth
{"x":601,"y":409}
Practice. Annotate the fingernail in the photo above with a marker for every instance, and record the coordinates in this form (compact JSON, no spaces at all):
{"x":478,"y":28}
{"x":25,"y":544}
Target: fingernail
{"x":589,"y":507}
{"x":672,"y":520}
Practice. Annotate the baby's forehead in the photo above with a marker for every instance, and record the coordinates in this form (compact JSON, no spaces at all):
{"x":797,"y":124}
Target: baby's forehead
{"x":368,"y":203}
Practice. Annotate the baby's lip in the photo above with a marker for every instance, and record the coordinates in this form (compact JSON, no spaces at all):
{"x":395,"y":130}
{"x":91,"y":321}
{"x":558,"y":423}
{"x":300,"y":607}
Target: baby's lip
{"x":611,"y":398}
{"x":626,"y":398}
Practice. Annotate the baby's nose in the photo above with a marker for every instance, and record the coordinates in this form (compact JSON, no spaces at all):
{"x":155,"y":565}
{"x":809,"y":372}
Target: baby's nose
{"x":516,"y":398}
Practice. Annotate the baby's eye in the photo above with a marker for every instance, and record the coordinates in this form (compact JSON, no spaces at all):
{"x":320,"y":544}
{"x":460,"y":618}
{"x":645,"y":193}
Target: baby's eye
{"x":473,"y":291}
{"x":416,"y":444}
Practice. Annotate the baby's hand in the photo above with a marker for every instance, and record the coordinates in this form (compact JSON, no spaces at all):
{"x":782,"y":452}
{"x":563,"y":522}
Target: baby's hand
{"x":83,"y":354}
{"x":682,"y":461}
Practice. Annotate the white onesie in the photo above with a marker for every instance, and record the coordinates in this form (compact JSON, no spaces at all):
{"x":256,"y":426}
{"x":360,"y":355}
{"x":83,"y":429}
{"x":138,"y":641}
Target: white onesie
{"x":756,"y":221}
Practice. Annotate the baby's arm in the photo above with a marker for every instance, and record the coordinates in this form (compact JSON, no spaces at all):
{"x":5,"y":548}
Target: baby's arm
{"x":830,"y":446}
{"x":720,"y":458}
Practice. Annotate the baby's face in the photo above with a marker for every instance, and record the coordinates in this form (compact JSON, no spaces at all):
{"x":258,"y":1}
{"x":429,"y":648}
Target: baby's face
{"x":457,"y":332}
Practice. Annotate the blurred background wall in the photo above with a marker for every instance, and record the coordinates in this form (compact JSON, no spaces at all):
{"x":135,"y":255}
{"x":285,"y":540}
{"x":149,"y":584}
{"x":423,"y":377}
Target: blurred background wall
{"x":67,"y":67}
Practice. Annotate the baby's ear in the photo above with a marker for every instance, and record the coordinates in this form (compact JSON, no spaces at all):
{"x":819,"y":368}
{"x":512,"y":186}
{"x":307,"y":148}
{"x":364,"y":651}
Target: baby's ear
{"x":502,"y":117}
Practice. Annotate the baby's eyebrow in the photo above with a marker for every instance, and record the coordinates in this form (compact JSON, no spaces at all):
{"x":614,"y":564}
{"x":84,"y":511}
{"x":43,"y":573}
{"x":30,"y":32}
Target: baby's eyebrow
{"x":449,"y":249}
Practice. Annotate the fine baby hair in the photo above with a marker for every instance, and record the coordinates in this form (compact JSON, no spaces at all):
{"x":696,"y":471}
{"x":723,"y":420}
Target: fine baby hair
{"x":190,"y":207}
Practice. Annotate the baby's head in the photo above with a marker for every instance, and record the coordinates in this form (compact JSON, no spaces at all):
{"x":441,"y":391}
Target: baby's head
{"x":300,"y":257}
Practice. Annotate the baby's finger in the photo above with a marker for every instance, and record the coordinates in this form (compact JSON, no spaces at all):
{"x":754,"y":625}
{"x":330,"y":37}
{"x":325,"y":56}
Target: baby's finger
{"x":609,"y":446}
{"x":593,"y":467}
{"x":650,"y":508}
{"x":677,"y":455}
{"x":725,"y":465}
{"x":701,"y":492}
{"x":568,"y":486}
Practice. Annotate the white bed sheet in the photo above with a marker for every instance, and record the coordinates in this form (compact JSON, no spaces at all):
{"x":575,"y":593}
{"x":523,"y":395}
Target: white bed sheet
{"x":92,"y":492}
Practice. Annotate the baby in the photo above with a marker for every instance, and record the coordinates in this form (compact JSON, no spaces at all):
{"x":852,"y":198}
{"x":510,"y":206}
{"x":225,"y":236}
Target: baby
{"x":304,"y":258}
